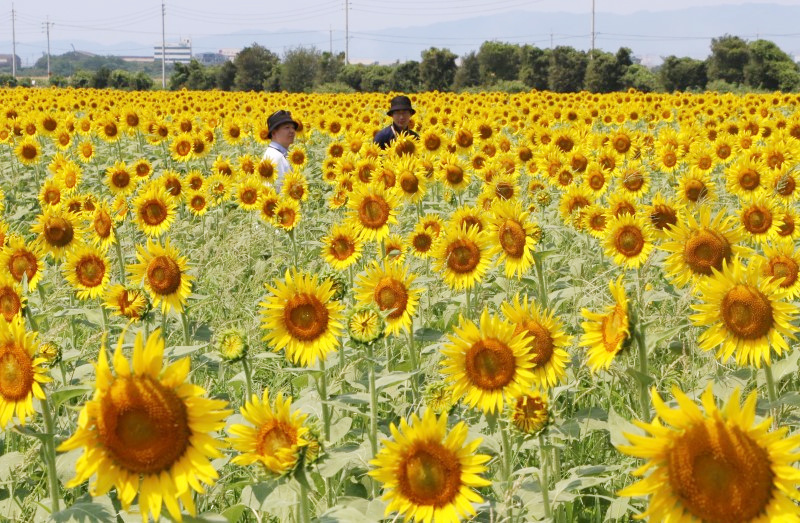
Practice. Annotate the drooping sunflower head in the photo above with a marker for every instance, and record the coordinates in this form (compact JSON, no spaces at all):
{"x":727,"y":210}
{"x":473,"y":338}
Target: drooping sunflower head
{"x":606,"y":334}
{"x":128,"y":302}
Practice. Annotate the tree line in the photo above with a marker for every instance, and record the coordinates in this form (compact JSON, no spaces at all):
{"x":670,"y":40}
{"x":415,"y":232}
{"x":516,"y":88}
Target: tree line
{"x":733,"y":65}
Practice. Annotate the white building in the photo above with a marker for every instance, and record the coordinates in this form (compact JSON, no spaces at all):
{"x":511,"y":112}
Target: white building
{"x":180,"y":53}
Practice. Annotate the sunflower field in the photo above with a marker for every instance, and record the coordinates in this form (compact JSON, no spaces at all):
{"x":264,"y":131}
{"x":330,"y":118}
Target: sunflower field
{"x":549,"y":307}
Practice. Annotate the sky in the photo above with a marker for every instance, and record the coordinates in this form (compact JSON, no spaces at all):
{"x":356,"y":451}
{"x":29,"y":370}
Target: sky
{"x":111,"y":22}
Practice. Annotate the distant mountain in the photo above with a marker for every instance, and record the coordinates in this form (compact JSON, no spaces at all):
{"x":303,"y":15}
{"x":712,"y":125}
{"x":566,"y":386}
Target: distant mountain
{"x":651,"y":35}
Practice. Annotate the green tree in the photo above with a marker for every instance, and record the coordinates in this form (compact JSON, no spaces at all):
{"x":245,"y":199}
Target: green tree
{"x":640,"y":78}
{"x":437,"y":69}
{"x":193,"y":76}
{"x":256,"y":69}
{"x":120,"y":79}
{"x":226,"y":76}
{"x":405,"y":77}
{"x":498,"y":61}
{"x":729,"y":56}
{"x":81,"y":79}
{"x":299,"y":69}
{"x":101,"y":78}
{"x":142,"y":81}
{"x":770,"y":68}
{"x":604,"y":71}
{"x":567,"y":69}
{"x":534,"y":66}
{"x":681,"y":74}
{"x":352,"y":75}
{"x":468,"y":72}
{"x":330,"y":65}
{"x":377,"y":78}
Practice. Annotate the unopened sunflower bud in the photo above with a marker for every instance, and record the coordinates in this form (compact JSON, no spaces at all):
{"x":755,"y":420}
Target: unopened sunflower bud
{"x":232,"y":345}
{"x":366,"y":324}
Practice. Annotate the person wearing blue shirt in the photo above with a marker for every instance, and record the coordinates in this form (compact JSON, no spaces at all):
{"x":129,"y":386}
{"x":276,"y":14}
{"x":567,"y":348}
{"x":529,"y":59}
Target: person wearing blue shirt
{"x":401,"y":111}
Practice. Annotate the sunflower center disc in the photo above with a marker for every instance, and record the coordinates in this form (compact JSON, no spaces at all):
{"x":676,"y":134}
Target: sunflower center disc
{"x":784,"y":268}
{"x":164,"y":275}
{"x":757,"y":221}
{"x":58,"y":232}
{"x":9,"y":303}
{"x":630,"y":241}
{"x":144,"y":425}
{"x":614,"y":326}
{"x":16,"y":373}
{"x":662,"y":217}
{"x":275,"y":437}
{"x":696,"y":190}
{"x":305,"y":317}
{"x":29,"y":152}
{"x":430,"y":475}
{"x":719,"y":473}
{"x":374,"y":212}
{"x":409,"y":183}
{"x":121,"y":179}
{"x":490,"y":364}
{"x":749,"y":179}
{"x":747,"y":313}
{"x":153,"y":212}
{"x":512,"y":238}
{"x":102,"y":225}
{"x":391,"y":294}
{"x":90,"y":271}
{"x":706,"y":249}
{"x":463,"y":256}
{"x":422,"y":242}
{"x":455,"y":174}
{"x":541,"y":345}
{"x":342,"y":248}
{"x":22,"y":263}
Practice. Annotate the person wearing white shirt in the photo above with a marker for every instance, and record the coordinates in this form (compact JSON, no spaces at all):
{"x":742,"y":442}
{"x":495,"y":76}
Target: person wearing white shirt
{"x":281,"y":130}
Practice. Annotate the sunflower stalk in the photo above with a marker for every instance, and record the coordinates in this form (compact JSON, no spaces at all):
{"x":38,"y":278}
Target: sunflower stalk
{"x":323,"y":396}
{"x":373,"y":407}
{"x":120,"y":259}
{"x":539,"y":264}
{"x":49,"y":453}
{"x":771,"y":393}
{"x":544,"y":478}
{"x":187,"y":339}
{"x":639,"y":334}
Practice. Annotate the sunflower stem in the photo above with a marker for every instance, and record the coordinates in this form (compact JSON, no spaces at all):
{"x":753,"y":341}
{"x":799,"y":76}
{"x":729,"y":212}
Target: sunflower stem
{"x":248,"y":377}
{"x":305,"y":517}
{"x":412,"y":357}
{"x":294,"y":248}
{"x":104,"y":318}
{"x":539,"y":263}
{"x":544,"y":479}
{"x":186,"y":332}
{"x":507,"y":454}
{"x":323,"y":395}
{"x":639,"y":334}
{"x":772,"y":393}
{"x":49,"y":452}
{"x":120,"y":260}
{"x":373,"y":408}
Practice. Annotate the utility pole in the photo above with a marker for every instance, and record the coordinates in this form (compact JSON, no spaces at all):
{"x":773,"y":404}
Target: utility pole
{"x":163,"y":47}
{"x":592,"y":55}
{"x":346,"y":31}
{"x":330,"y":38}
{"x":13,"y":42}
{"x":47,"y":25}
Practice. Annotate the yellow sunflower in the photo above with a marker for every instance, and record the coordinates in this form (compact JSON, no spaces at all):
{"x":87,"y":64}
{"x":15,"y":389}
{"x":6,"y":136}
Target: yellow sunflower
{"x":421,"y":241}
{"x":87,"y":270}
{"x":58,"y":231}
{"x":428,"y":474}
{"x":605,"y":334}
{"x":695,"y":189}
{"x":248,"y":193}
{"x":102,"y":227}
{"x":512,"y":237}
{"x":182,"y":148}
{"x":12,"y":300}
{"x":663,"y":214}
{"x":372,"y":209}
{"x":126,"y":301}
{"x":411,"y":180}
{"x":759,"y":217}
{"x":782,"y":263}
{"x":629,"y":240}
{"x":341,"y":247}
{"x":302,"y":317}
{"x":530,"y":413}
{"x":286,"y":213}
{"x":28,"y":151}
{"x":22,"y":261}
{"x":146,"y":431}
{"x":547,"y":339}
{"x":487,"y":364}
{"x":50,"y":194}
{"x":390,"y":288}
{"x":745,"y":176}
{"x":453,"y":173}
{"x":120,"y":180}
{"x":717,"y":465}
{"x":295,"y":186}
{"x":163,"y":272}
{"x":275,"y":437}
{"x":699,"y":245}
{"x":22,"y":372}
{"x":463,"y":256}
{"x":155,"y":210}
{"x":745,"y":313}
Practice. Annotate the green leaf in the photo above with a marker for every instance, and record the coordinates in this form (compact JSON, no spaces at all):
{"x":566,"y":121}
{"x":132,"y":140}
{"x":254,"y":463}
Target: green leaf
{"x":428,"y":334}
{"x":645,"y":379}
{"x":617,"y":426}
{"x":392,"y":378}
{"x":782,"y":368}
{"x":234,"y":513}
{"x":66,"y":393}
{"x":340,"y":429}
{"x":269,"y":496}
{"x":85,"y":512}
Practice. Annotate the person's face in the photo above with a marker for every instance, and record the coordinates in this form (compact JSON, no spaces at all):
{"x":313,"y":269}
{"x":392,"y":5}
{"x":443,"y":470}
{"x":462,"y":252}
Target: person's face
{"x":401,"y":118}
{"x":284,"y":134}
